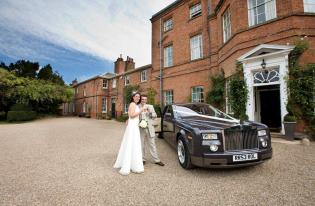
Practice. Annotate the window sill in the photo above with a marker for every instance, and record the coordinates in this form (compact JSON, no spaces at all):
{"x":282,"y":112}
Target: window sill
{"x":194,"y":17}
{"x":198,"y":59}
{"x":167,"y":31}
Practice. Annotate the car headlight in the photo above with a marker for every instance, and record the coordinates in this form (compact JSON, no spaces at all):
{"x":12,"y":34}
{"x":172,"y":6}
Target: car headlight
{"x":264,"y":142}
{"x":262,"y":133}
{"x":214,"y":147}
{"x":210,"y":136}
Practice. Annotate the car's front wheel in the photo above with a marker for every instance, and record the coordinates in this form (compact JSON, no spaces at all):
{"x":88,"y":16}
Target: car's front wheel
{"x":183,"y":154}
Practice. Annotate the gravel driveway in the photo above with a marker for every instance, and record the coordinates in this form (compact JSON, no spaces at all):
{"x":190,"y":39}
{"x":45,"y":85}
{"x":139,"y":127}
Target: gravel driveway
{"x":68,"y":161}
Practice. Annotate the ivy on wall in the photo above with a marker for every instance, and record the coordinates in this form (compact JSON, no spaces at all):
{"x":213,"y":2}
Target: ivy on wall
{"x":128,"y":92}
{"x":238,"y":93}
{"x":151,"y":96}
{"x":301,"y":85}
{"x":215,"y":96}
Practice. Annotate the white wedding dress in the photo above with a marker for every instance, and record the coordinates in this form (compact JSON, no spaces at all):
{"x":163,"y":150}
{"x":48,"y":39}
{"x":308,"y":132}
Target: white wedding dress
{"x":130,"y":153}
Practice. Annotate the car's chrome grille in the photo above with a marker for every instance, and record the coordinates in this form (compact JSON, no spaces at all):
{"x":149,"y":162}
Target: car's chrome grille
{"x":240,"y":138}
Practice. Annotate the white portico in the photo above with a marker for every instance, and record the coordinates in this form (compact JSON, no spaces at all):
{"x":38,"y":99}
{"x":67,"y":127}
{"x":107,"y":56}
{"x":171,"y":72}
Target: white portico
{"x":265,"y":71}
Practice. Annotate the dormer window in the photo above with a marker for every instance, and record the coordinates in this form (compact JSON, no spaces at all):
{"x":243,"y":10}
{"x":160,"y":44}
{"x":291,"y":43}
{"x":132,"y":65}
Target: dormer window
{"x":114,"y":83}
{"x":105,"y":83}
{"x":127,"y":81}
{"x":195,"y":10}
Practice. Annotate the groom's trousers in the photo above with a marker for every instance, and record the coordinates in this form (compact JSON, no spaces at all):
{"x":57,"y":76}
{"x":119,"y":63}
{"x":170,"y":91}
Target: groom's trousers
{"x":147,"y":140}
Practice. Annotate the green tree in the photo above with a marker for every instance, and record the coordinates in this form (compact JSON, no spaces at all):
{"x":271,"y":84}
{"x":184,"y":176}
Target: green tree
{"x":46,"y":73}
{"x":44,"y":96}
{"x":24,"y":68}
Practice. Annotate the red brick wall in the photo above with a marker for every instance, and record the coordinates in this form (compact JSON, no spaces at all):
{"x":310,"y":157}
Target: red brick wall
{"x":184,"y":73}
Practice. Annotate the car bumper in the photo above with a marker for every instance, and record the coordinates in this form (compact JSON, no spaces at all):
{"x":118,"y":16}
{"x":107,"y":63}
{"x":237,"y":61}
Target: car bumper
{"x":225,"y":160}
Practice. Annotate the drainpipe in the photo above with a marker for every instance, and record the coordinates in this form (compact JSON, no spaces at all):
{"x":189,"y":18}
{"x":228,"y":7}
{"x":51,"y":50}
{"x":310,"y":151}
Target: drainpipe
{"x":161,"y":67}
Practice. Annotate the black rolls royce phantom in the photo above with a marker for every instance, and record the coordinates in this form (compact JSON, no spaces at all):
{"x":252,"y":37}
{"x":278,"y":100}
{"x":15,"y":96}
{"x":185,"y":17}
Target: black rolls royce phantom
{"x":206,"y":137}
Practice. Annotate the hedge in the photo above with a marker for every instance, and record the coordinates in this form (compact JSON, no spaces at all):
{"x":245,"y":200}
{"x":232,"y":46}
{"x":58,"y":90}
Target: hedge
{"x":122,"y":118}
{"x":21,"y":115}
{"x":2,"y":115}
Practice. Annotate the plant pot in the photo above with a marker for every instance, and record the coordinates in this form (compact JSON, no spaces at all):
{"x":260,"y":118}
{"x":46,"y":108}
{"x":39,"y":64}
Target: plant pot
{"x":289,"y":129}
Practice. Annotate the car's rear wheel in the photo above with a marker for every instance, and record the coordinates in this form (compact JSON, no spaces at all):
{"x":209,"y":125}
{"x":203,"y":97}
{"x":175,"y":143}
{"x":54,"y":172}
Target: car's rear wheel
{"x":183,"y":154}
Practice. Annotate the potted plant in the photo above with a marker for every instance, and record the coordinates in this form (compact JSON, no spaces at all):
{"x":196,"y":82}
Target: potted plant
{"x":289,"y":120}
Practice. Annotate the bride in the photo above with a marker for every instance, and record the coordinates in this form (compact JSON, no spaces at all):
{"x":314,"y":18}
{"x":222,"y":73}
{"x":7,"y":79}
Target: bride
{"x":130,"y":152}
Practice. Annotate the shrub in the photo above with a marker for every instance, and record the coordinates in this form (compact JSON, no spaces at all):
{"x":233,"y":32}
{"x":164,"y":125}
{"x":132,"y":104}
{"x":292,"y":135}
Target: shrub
{"x":157,"y":109}
{"x":20,"y":107}
{"x":289,"y":118}
{"x":2,"y":115}
{"x":21,"y":115}
{"x":122,"y":118}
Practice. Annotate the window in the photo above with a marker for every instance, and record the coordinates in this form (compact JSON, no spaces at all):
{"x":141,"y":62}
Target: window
{"x":197,"y":94}
{"x":104,"y":105}
{"x":168,"y":56}
{"x":168,"y":25}
{"x":195,"y":10}
{"x":196,"y":47}
{"x":127,"y":80}
{"x":226,"y":20}
{"x":125,"y":108}
{"x":143,"y":76}
{"x":260,"y":11}
{"x":114,"y":83}
{"x":168,"y":97}
{"x":84,"y":93}
{"x":84,"y":107}
{"x":309,"y":6}
{"x":105,"y":83}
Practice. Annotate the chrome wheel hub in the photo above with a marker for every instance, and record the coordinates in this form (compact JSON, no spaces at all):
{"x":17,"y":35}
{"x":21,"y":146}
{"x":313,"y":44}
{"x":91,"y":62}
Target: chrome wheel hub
{"x":181,"y":151}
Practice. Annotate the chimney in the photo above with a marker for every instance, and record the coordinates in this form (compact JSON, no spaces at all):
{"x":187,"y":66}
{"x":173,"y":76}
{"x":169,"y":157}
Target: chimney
{"x":74,"y":82}
{"x":119,"y":65}
{"x":129,"y":64}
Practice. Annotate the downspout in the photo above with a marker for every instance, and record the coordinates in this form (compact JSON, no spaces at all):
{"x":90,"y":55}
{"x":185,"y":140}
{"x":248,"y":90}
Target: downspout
{"x":161,"y":67}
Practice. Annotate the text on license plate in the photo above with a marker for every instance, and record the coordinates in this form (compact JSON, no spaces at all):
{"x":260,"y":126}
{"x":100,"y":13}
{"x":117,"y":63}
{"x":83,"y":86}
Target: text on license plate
{"x":245,"y":157}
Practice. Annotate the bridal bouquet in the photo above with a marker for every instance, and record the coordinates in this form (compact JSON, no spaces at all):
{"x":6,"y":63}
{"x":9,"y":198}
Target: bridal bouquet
{"x":143,"y":124}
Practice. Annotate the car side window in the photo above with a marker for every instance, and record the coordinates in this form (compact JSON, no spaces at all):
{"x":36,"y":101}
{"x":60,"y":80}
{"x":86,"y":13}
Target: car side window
{"x":168,"y":112}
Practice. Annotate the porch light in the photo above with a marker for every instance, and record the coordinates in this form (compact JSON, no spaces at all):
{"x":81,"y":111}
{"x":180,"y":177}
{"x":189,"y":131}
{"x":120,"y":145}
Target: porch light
{"x":263,"y":64}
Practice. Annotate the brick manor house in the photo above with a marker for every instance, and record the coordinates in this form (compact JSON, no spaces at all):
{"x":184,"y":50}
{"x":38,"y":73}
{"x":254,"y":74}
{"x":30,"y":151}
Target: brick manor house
{"x":195,"y":39}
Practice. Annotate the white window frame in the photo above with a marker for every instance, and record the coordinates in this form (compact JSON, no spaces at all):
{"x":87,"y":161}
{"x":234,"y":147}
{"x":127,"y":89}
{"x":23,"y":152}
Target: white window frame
{"x":226,"y":25}
{"x":195,"y":10}
{"x":127,"y":80}
{"x":84,"y":107}
{"x":105,"y":83}
{"x":197,"y":94}
{"x":270,"y":11}
{"x":168,"y":25}
{"x":168,"y":97}
{"x":114,"y":83}
{"x":144,"y":76}
{"x":126,"y":108}
{"x":104,"y":105}
{"x":309,"y":6}
{"x":168,"y":56}
{"x":196,"y":50}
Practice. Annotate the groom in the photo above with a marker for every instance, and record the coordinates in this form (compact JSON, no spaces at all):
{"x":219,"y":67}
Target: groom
{"x":148,"y":134}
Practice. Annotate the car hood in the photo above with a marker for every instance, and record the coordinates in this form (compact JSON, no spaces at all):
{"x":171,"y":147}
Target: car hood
{"x":204,"y":123}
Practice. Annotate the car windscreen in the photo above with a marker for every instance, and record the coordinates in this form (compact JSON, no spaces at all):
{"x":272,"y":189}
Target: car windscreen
{"x":200,"y":110}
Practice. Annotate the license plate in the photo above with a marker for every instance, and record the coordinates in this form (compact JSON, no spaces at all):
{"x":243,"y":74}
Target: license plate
{"x":245,"y":157}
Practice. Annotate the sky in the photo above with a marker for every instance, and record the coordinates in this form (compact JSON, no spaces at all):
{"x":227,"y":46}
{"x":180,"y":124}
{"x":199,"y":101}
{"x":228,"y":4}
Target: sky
{"x":78,"y":38}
